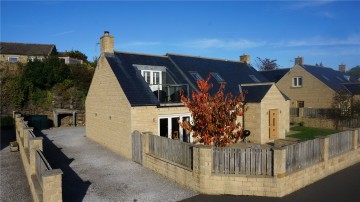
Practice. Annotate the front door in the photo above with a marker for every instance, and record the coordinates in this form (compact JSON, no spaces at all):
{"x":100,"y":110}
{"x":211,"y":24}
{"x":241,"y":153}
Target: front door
{"x":273,"y":123}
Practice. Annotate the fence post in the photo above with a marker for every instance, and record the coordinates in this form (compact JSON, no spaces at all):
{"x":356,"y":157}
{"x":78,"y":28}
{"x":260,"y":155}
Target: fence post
{"x":355,"y":138}
{"x":52,"y":190}
{"x":35,"y":144}
{"x":279,"y":162}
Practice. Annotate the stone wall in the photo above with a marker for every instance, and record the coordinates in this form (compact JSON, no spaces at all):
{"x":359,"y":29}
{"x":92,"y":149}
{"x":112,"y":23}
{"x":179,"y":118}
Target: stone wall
{"x":49,"y":189}
{"x":201,"y":178}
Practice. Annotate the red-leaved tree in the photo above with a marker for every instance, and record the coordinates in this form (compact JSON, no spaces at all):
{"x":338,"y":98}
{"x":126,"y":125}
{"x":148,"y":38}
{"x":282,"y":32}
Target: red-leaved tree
{"x":214,"y":116}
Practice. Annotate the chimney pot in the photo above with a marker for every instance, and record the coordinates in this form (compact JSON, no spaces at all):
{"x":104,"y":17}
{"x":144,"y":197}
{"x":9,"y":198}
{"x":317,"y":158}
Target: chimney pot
{"x":342,"y":68}
{"x":299,"y":60}
{"x":245,"y":59}
{"x":107,"y":43}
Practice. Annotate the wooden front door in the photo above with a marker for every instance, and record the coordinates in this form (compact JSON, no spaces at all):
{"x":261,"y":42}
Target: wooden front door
{"x":273,"y":123}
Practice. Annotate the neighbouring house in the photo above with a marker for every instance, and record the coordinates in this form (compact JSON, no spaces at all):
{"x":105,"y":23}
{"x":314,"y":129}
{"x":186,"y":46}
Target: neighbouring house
{"x":310,"y":86}
{"x":24,"y":52}
{"x":132,"y":91}
{"x":69,"y":60}
{"x":354,"y":90}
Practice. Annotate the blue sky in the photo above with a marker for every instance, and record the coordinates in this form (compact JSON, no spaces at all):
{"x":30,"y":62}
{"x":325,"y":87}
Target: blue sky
{"x":320,"y":31}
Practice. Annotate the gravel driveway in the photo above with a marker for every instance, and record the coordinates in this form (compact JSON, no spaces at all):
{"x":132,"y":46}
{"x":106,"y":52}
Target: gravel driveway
{"x":93,"y":173}
{"x":13,"y":182}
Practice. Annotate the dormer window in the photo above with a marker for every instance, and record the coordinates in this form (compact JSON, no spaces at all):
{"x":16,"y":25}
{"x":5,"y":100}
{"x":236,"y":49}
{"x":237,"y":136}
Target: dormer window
{"x":254,"y":78}
{"x":196,"y":76}
{"x":217,"y":77}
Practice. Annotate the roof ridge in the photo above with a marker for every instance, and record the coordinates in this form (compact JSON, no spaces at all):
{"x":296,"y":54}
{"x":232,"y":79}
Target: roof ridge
{"x":144,"y":54}
{"x":275,"y":69}
{"x":201,"y":57}
{"x":28,"y":43}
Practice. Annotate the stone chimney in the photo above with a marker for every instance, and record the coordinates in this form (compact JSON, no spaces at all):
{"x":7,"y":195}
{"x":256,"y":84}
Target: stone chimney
{"x":342,"y":68}
{"x":107,"y":43}
{"x":299,"y":61}
{"x":245,"y":59}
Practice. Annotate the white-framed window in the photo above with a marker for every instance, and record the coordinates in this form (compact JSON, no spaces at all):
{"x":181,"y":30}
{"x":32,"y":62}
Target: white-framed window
{"x":217,"y":77}
{"x":196,"y":76}
{"x":153,"y":78}
{"x":13,"y":59}
{"x":254,"y":78}
{"x":169,"y":126}
{"x":297,"y":81}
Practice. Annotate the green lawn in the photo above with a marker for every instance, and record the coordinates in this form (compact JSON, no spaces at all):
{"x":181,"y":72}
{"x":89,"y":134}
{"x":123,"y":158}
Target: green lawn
{"x":306,"y":133}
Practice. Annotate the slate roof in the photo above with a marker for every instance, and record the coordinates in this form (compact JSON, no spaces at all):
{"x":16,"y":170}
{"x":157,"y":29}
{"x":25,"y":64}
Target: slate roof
{"x":353,"y":88}
{"x":26,"y":49}
{"x":178,"y":68}
{"x":233,"y":72}
{"x":134,"y":86}
{"x":275,"y":75}
{"x":256,"y":93}
{"x":332,"y":78}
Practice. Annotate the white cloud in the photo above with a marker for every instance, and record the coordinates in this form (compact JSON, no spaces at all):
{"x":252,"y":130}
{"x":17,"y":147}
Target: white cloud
{"x":64,"y":33}
{"x":141,"y":43}
{"x":238,"y":44}
{"x":298,"y":5}
{"x":319,"y":41}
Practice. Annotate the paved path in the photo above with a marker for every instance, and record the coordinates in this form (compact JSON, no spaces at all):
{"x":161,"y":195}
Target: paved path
{"x":93,"y":173}
{"x":13,"y":182}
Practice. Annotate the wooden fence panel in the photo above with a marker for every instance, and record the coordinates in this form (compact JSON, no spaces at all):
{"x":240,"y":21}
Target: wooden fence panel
{"x":303,"y":154}
{"x":243,"y":161}
{"x":340,"y":143}
{"x":171,"y":150}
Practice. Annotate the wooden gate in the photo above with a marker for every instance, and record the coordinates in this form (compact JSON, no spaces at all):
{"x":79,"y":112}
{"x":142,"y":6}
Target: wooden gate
{"x":273,"y":123}
{"x":136,"y":147}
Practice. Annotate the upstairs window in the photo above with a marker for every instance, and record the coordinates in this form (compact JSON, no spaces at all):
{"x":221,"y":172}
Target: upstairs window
{"x":254,"y":78}
{"x":217,"y":77}
{"x":151,"y":77}
{"x":297,"y":82}
{"x":196,"y":76}
{"x":13,"y":59}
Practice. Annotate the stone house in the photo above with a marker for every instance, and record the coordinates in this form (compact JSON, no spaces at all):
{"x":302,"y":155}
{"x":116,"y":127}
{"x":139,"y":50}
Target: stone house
{"x":132,"y":91}
{"x":24,"y":52}
{"x":309,"y":86}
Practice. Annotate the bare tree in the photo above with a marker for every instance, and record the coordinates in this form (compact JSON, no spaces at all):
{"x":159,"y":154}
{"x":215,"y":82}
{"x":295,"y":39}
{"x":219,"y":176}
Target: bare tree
{"x":266,"y":64}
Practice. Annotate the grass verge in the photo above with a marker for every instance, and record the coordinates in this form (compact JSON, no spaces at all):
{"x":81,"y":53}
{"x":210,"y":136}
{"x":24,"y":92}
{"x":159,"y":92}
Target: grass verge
{"x":307,"y":133}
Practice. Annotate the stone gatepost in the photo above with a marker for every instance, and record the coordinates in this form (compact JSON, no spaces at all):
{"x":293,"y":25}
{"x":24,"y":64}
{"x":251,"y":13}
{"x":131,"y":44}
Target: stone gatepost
{"x":35,"y":144}
{"x":279,"y":163}
{"x":355,"y":138}
{"x":52,"y":190}
{"x":325,"y":148}
{"x":26,"y":131}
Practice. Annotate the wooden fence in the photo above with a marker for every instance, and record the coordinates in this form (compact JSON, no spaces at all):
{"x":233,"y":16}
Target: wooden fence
{"x":41,"y":165}
{"x":243,"y":161}
{"x":340,"y":143}
{"x":303,"y":154}
{"x":294,"y":112}
{"x":172,"y":150}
